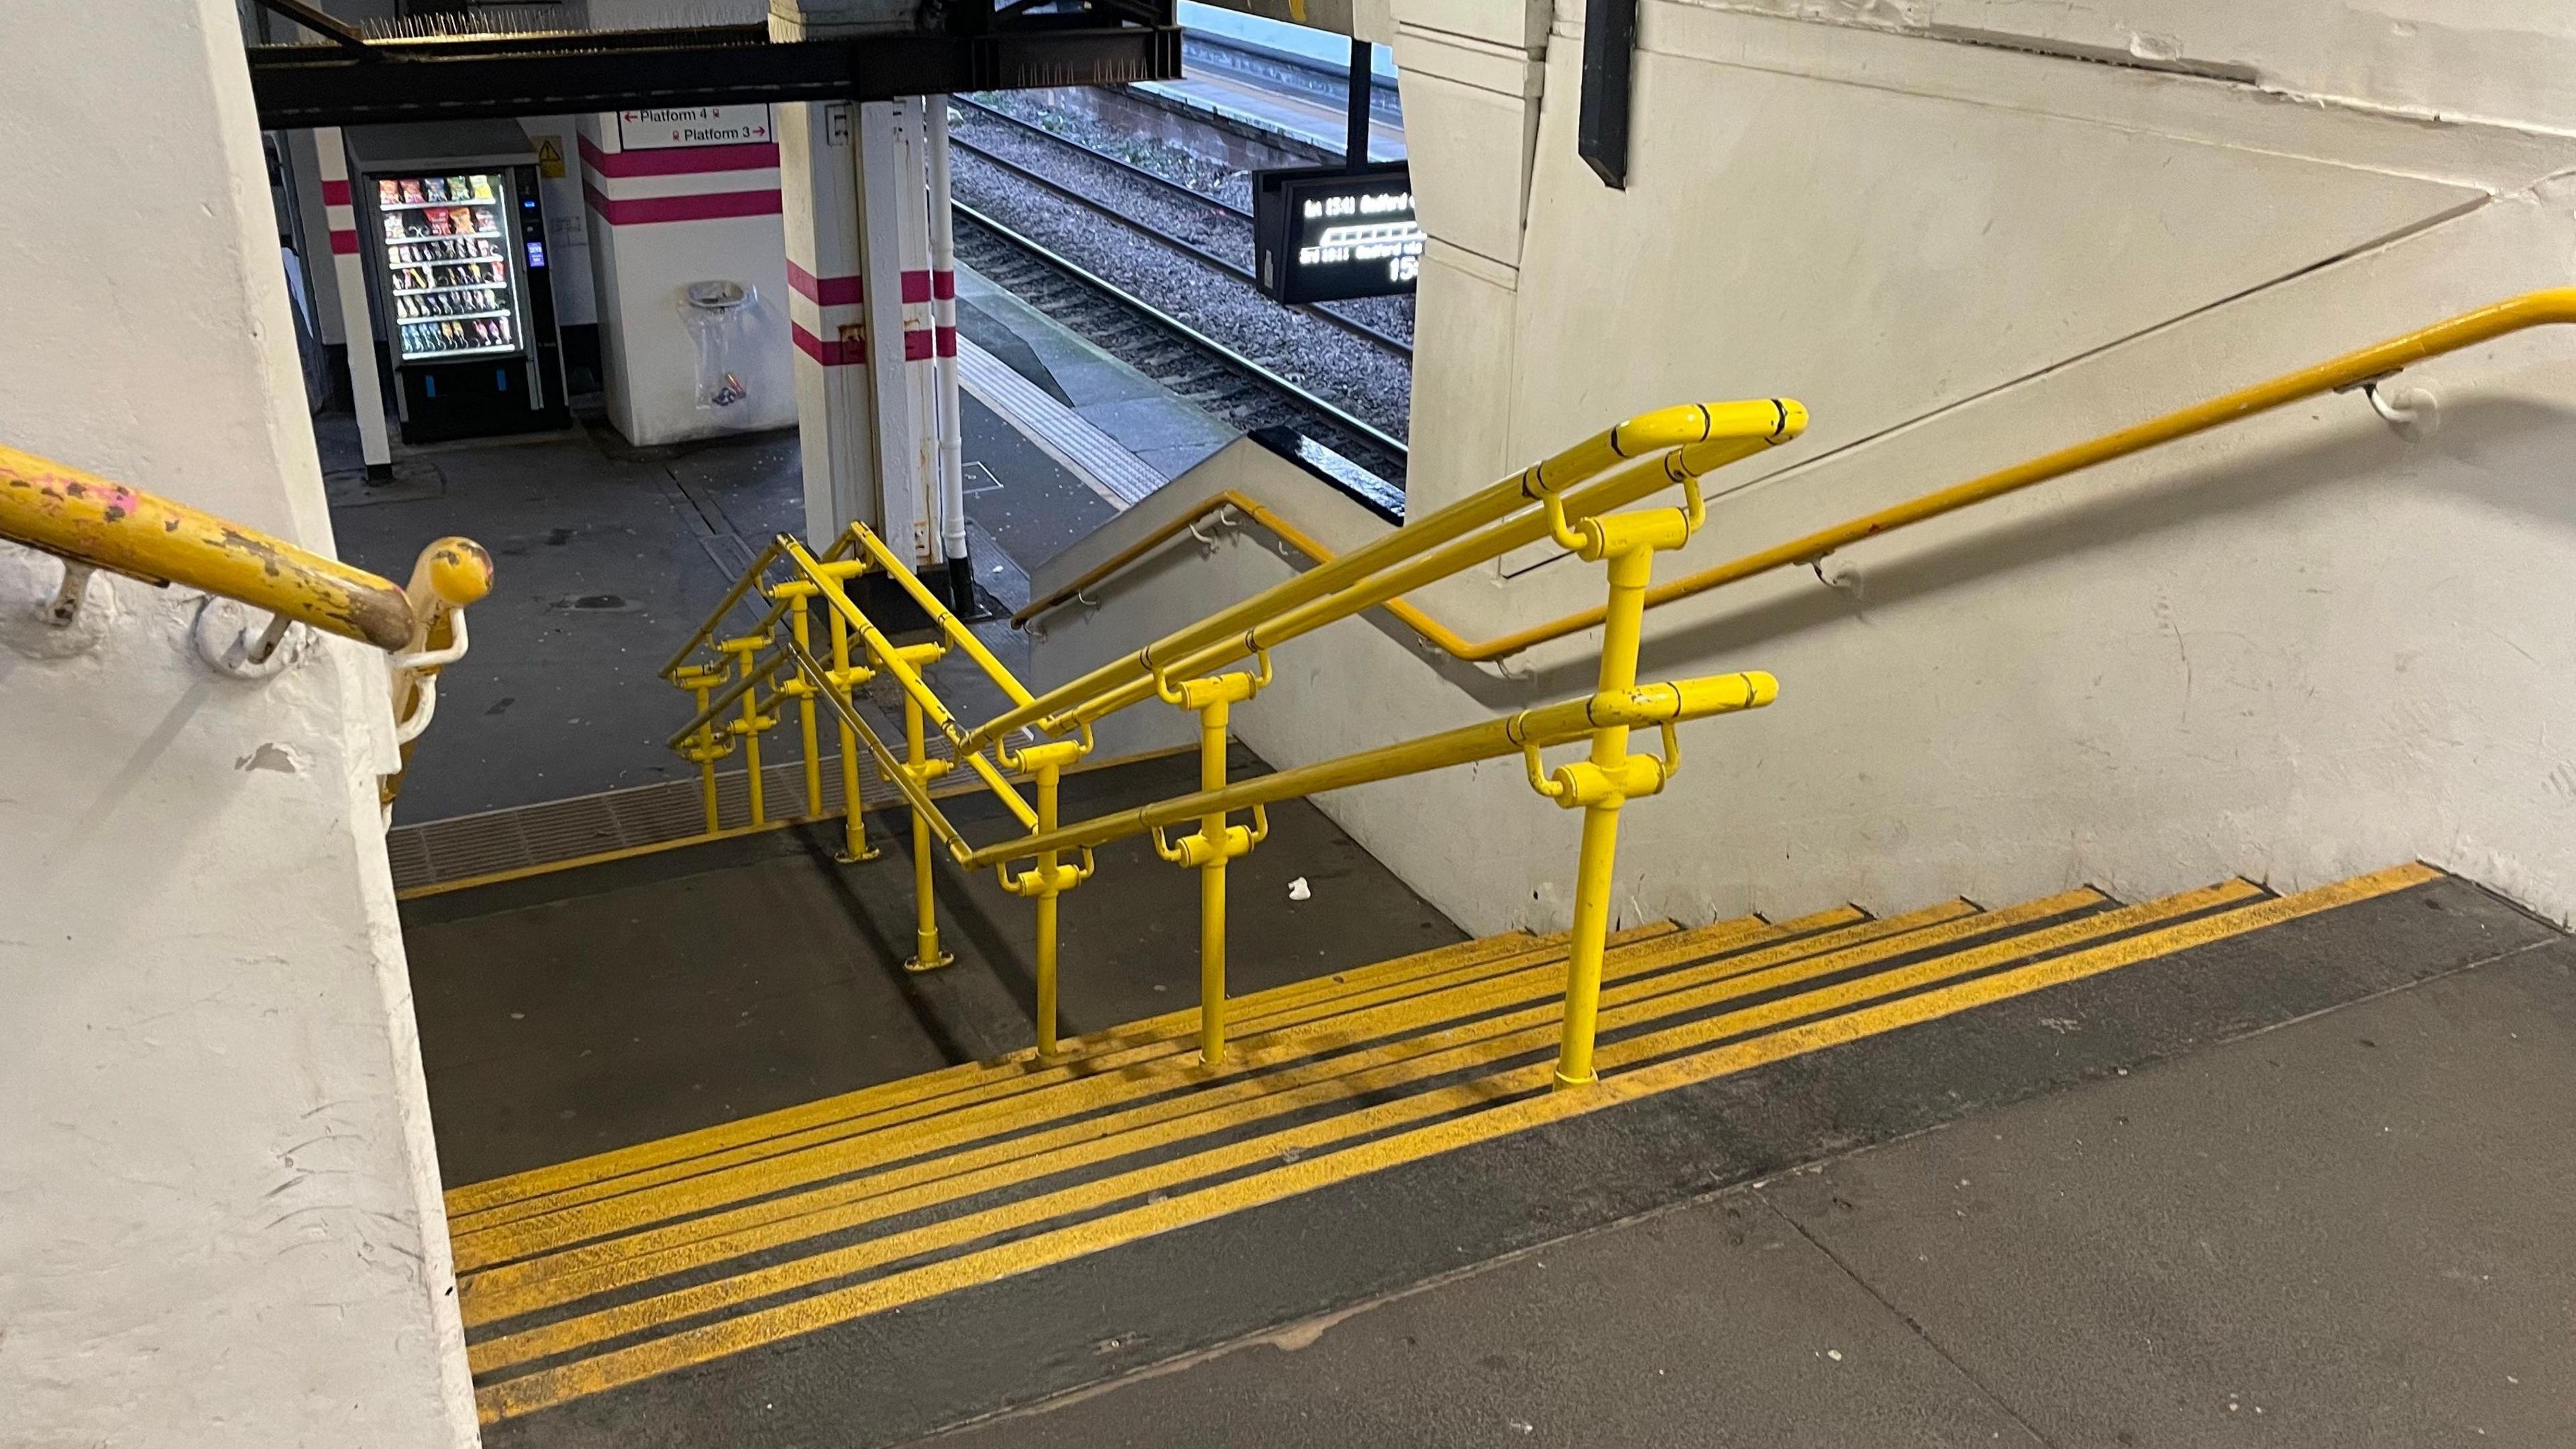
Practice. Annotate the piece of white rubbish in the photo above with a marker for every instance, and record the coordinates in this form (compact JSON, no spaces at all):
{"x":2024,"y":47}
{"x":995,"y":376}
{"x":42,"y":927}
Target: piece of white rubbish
{"x":1298,"y":890}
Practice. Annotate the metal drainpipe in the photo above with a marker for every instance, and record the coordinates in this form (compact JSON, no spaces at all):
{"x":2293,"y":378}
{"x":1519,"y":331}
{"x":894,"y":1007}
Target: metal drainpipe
{"x":943,"y":293}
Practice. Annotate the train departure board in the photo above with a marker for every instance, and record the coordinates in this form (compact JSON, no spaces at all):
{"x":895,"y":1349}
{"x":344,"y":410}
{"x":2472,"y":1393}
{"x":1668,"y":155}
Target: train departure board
{"x":1329,"y":233}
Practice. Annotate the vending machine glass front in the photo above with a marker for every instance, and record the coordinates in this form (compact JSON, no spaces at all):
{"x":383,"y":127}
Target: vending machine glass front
{"x":449,"y":267}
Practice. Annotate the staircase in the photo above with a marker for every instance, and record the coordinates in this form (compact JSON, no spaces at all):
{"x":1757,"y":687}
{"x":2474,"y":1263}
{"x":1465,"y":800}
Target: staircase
{"x":605,"y":1272}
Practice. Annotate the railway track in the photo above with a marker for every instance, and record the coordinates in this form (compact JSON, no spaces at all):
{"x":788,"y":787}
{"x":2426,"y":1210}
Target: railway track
{"x":1235,"y":226}
{"x":1206,"y":370}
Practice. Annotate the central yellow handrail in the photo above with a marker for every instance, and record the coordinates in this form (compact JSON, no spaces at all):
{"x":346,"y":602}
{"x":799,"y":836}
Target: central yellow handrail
{"x":2547,"y":307}
{"x":1754,"y":424}
{"x":1577,"y":497}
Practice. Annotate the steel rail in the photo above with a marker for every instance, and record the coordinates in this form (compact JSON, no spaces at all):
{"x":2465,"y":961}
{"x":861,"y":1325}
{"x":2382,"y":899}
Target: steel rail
{"x":1119,"y":163}
{"x":1130,"y":169}
{"x":1157,"y":317}
{"x":2546,"y":307}
{"x":1366,"y":333}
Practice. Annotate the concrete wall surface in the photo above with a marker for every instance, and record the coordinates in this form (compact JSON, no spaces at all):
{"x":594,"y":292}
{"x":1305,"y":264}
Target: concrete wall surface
{"x":2299,"y":648}
{"x":219,"y":1208}
{"x":640,"y":274}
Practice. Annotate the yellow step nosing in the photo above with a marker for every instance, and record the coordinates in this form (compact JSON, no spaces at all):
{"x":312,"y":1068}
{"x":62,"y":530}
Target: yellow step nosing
{"x":2123,"y":921}
{"x":1107,"y":1066}
{"x":576,"y":1272}
{"x":476,"y":1244}
{"x":1643,"y":998}
{"x":471,"y":1198}
{"x":654,"y":1357}
{"x":568,"y":1335}
{"x":479,"y":1249}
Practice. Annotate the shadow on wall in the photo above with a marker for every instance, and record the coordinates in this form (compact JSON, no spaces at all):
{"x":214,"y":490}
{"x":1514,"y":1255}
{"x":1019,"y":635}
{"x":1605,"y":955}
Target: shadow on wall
{"x":2498,"y":452}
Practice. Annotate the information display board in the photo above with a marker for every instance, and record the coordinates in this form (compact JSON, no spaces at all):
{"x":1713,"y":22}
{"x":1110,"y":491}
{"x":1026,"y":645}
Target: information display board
{"x":1330,"y":233}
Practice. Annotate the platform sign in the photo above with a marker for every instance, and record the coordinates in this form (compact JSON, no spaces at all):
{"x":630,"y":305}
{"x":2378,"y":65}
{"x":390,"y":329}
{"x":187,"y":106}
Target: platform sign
{"x":1325,"y":233}
{"x":694,"y":126}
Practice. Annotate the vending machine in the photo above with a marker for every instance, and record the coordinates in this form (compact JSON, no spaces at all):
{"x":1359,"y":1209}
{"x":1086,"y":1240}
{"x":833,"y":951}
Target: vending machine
{"x":450,"y":216}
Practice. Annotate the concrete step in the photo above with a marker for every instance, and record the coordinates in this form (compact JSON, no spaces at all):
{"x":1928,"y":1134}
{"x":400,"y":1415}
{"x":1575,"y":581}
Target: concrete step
{"x":613,"y":1280}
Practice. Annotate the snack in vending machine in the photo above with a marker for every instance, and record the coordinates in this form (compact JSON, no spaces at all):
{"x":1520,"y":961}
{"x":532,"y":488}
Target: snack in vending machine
{"x":460,"y":188}
{"x":484,"y":224}
{"x":393,"y":228}
{"x":411,"y":193}
{"x":387,"y":193}
{"x":435,"y":188}
{"x":437,"y":223}
{"x":483,"y":188}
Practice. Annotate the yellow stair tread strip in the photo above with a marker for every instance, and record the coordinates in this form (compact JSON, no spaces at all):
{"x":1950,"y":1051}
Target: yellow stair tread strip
{"x":1026,"y":1093}
{"x":848,"y":1146}
{"x":567,"y":1334}
{"x":685,"y":1241}
{"x":833,"y":1153}
{"x":648,"y":1359}
{"x":492,"y":1192}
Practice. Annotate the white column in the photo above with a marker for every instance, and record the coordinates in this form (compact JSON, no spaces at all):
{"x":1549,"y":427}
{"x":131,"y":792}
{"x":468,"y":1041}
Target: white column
{"x":943,"y":302}
{"x":349,"y":273}
{"x":827,"y":309}
{"x":893,"y":215}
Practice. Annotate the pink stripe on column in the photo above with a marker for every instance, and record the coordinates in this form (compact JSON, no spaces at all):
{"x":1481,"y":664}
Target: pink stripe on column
{"x":335,"y":193}
{"x":916,"y":286}
{"x":947,"y":341}
{"x":943,"y":285}
{"x":826,"y":291}
{"x":916,"y":344}
{"x":830,"y":354}
{"x":706,"y":206}
{"x":677,"y":160}
{"x":343,"y":243}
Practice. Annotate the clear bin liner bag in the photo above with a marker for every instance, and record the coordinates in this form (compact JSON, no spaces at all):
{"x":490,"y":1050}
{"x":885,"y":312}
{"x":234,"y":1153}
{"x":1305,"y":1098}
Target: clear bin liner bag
{"x":719,"y":318}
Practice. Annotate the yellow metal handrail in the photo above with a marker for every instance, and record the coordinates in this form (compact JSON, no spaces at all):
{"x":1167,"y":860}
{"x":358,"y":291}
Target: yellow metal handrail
{"x":94,"y":521}
{"x":1454,"y":537}
{"x":2550,"y":306}
{"x":1580,"y":498}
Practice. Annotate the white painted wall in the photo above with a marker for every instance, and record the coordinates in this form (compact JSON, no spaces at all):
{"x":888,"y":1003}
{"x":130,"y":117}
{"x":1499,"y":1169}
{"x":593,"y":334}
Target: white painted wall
{"x":639,"y":280}
{"x":219,"y":1210}
{"x":2299,"y":649}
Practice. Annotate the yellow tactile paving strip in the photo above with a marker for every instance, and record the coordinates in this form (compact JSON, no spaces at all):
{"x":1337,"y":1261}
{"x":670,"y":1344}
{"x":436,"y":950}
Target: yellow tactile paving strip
{"x":592,"y":1274}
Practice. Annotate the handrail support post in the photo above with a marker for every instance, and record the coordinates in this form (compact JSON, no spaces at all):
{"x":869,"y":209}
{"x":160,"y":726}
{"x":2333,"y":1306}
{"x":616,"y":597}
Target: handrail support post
{"x":1213,"y":700}
{"x":1051,"y":877}
{"x":854,"y":821}
{"x":801,"y":627}
{"x":748,"y":727}
{"x":926,"y":955}
{"x":1604,"y":783}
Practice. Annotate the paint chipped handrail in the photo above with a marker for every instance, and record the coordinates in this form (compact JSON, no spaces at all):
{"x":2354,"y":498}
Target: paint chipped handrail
{"x":88,"y":520}
{"x":2546,"y":307}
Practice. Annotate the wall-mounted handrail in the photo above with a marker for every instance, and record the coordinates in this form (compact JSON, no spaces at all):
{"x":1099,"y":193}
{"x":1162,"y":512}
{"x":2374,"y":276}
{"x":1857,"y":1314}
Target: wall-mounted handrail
{"x":91,"y":520}
{"x":94,"y":523}
{"x":2550,"y":306}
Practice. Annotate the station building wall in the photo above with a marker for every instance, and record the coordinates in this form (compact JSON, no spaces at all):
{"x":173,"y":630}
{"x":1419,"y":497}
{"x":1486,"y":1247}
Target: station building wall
{"x":2302,"y":647}
{"x":658,"y":220}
